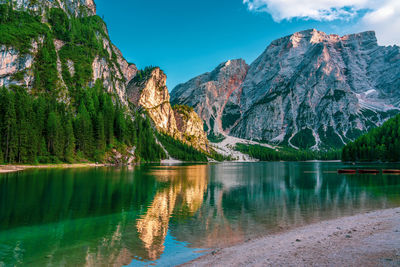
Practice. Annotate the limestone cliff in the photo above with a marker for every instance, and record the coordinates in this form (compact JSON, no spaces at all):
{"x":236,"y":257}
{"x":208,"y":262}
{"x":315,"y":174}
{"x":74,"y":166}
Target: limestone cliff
{"x":71,"y":7}
{"x":60,"y":48}
{"x":78,"y":61}
{"x":190,"y":125}
{"x":215,"y":95}
{"x":307,"y":90}
{"x":12,"y":63}
{"x":148,"y":90}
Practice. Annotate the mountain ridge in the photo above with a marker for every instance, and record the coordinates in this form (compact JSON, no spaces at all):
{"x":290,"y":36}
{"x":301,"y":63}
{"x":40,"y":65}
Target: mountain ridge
{"x":59,"y":65}
{"x":317,"y":90}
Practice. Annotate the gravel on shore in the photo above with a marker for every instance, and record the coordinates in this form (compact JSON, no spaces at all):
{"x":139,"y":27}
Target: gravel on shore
{"x":370,"y":239}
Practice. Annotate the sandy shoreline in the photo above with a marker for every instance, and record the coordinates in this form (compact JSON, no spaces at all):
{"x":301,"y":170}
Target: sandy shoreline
{"x":17,"y":168}
{"x":370,"y":239}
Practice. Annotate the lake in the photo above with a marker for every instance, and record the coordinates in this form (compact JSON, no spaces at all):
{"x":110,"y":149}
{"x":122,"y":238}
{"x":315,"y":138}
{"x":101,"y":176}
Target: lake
{"x":167,"y":215}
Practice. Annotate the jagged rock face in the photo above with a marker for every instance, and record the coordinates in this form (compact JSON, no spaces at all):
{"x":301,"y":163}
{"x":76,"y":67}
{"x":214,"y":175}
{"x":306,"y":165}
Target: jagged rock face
{"x":151,"y":93}
{"x":71,"y":7}
{"x":12,"y":64}
{"x":191,"y":127}
{"x":115,"y":77}
{"x":115,"y":74}
{"x":316,"y":90}
{"x":312,"y":89}
{"x":215,"y":95}
{"x":129,"y":70}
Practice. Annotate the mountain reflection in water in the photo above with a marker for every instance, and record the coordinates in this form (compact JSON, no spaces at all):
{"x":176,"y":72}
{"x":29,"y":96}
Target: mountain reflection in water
{"x":161,"y":214}
{"x":184,"y":195}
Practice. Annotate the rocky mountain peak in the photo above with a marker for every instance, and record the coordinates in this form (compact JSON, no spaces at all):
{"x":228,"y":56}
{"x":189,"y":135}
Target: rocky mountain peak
{"x":307,"y":90}
{"x":107,"y":63}
{"x":215,"y":95}
{"x":71,"y":7}
{"x":148,"y":90}
{"x":367,"y":36}
{"x":91,"y":5}
{"x":313,"y":36}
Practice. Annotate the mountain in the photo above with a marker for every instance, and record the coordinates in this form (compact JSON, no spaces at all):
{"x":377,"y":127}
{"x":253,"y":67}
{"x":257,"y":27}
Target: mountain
{"x":75,"y":51}
{"x":74,"y":8}
{"x":64,"y":85}
{"x":307,"y":90}
{"x":215,"y":96}
{"x":148,"y":90}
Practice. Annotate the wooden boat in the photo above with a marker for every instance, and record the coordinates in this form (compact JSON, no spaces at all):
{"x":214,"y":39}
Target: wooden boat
{"x":391,"y":171}
{"x":368,"y":171}
{"x":348,"y":171}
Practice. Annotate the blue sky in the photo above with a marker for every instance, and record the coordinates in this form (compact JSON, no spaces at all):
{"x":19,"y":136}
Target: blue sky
{"x":187,"y":38}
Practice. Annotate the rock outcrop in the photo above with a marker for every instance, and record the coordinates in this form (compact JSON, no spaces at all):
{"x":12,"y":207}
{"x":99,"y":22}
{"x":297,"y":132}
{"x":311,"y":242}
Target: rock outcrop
{"x":148,"y":90}
{"x":12,"y":63}
{"x":16,"y":67}
{"x":215,"y":95}
{"x":190,"y":125}
{"x":311,"y":90}
{"x":74,"y":8}
{"x":70,"y":50}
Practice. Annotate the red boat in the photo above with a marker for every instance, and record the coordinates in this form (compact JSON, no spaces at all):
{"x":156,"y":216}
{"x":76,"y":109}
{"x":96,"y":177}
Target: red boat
{"x":391,"y":171}
{"x":368,"y":171}
{"x":348,"y":171}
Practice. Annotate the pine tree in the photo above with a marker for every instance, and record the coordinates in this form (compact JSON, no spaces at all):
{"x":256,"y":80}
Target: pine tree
{"x":108,"y":113}
{"x":84,"y":131}
{"x":69,"y":150}
{"x":1,"y":156}
{"x":24,"y":131}
{"x":39,"y":122}
{"x":54,"y":129}
{"x":120,"y":124}
{"x":99,"y":132}
{"x":10,"y":144}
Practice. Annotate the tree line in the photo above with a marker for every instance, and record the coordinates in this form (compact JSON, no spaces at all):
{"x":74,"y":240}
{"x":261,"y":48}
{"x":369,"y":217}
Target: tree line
{"x":380,"y":144}
{"x":286,"y":154}
{"x":40,"y":129}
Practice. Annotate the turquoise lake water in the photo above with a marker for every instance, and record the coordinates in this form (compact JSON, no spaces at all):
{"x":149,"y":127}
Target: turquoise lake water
{"x":167,"y":215}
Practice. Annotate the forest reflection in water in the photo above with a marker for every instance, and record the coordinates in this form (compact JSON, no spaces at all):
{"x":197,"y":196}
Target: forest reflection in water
{"x":114,"y":216}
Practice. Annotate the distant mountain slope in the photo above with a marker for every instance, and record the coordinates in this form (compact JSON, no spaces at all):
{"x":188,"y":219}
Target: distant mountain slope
{"x":214,"y":95}
{"x":307,"y":90}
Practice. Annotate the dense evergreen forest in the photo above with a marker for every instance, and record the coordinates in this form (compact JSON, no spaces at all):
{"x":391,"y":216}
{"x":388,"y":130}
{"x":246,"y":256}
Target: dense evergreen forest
{"x":286,"y":154}
{"x":51,"y":123}
{"x":38,"y":129}
{"x":380,"y":144}
{"x":179,"y":150}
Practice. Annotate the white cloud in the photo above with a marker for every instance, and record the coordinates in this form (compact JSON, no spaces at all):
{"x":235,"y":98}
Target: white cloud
{"x":385,"y":20}
{"x":383,"y":16}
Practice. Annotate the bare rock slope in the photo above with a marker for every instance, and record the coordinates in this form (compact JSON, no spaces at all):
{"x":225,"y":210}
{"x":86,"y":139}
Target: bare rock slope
{"x":215,"y":95}
{"x":148,"y":90}
{"x":309,"y":89}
